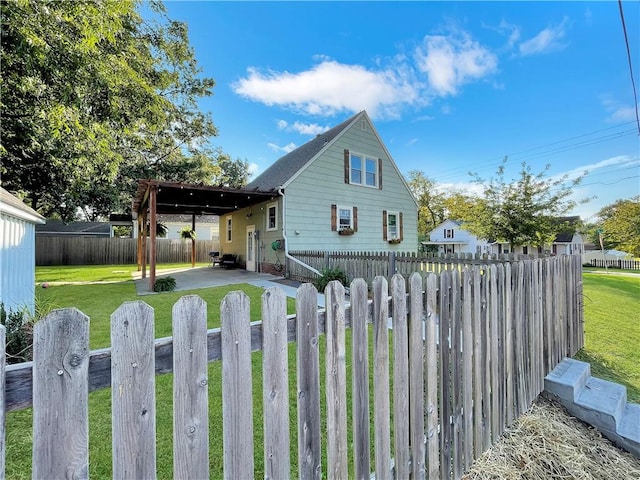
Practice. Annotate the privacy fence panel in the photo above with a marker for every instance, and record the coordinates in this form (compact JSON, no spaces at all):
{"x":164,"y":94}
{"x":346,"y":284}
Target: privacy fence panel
{"x":457,"y":357}
{"x":116,"y":251}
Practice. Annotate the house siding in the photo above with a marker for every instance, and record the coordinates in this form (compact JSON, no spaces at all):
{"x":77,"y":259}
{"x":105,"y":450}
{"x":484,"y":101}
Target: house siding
{"x":17,"y":280}
{"x":310,"y":195}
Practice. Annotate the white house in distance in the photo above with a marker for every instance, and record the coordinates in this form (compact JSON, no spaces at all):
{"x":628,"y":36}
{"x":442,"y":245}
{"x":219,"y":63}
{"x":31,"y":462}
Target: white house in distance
{"x":18,"y":252}
{"x":450,"y":237}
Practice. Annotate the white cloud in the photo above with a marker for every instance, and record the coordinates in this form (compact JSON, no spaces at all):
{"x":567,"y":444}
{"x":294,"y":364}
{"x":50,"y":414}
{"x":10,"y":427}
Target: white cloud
{"x":454,"y":60}
{"x":302,"y":128}
{"x":437,"y":68}
{"x":286,"y":149}
{"x":617,"y":111}
{"x":413,"y":141}
{"x":548,"y":40}
{"x":329,"y":88}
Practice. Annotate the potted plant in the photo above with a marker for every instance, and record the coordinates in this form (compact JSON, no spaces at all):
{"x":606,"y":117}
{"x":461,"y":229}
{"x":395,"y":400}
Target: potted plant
{"x":187,"y":233}
{"x":346,"y":231}
{"x":395,"y":241}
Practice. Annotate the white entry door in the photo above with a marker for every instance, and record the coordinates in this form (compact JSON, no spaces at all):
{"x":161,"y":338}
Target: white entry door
{"x":251,"y":248}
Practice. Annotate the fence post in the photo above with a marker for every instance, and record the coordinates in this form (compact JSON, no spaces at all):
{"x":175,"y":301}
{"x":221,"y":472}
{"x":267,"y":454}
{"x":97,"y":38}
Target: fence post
{"x":275,"y":375}
{"x":237,"y":403}
{"x":416,"y":377}
{"x":392,"y":264}
{"x":431,"y":368}
{"x":360,"y":356}
{"x":190,"y":391}
{"x":60,"y":395}
{"x":133,"y":393}
{"x":308,"y":362}
{"x":336,"y":382}
{"x":381,"y":403}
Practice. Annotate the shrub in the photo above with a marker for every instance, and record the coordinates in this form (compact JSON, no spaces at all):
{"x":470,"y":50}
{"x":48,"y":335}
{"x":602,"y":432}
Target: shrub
{"x":165,"y":284}
{"x":328,"y":275}
{"x":19,"y":334}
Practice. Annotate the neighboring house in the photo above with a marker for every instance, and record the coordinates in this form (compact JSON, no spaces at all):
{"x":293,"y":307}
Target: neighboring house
{"x":450,"y":237}
{"x":18,"y":255}
{"x":207,"y":226}
{"x":58,"y":228}
{"x":340,"y":191}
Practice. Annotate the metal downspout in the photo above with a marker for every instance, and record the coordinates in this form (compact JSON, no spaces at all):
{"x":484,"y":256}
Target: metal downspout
{"x":284,"y":234}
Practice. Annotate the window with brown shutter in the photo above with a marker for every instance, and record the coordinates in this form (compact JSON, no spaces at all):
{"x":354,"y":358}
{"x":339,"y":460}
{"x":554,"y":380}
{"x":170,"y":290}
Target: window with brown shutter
{"x":401,"y":228}
{"x":380,"y":173}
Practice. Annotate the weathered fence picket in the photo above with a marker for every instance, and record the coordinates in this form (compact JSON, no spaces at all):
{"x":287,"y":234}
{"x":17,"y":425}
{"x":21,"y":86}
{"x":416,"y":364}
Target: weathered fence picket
{"x":469,"y":353}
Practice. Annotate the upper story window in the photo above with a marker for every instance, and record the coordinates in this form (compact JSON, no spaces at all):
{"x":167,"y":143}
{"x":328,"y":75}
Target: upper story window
{"x":362,"y":170}
{"x":229,"y":229}
{"x":448,"y":233}
{"x":272,"y":216}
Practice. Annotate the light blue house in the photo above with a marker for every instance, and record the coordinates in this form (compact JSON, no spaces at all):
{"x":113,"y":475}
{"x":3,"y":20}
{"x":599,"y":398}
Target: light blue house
{"x":17,"y":252}
{"x":341,"y":191}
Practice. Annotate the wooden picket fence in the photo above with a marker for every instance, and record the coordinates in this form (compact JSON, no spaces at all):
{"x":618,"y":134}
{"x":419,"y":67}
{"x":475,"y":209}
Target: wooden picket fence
{"x":369,"y":265}
{"x":116,"y":251}
{"x":469,"y":353}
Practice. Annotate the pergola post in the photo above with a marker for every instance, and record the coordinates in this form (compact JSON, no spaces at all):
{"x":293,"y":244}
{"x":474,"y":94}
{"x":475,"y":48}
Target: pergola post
{"x":152,"y":237}
{"x":193,"y":241}
{"x":143,"y":253}
{"x":139,"y":241}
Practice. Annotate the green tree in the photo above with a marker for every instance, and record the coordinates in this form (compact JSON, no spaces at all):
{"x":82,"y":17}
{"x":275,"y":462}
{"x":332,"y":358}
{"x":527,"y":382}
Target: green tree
{"x":620,"y":224}
{"x":231,"y":173}
{"x":522,"y":211}
{"x":94,"y":96}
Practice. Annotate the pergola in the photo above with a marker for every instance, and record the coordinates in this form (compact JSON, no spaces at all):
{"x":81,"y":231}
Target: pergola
{"x":155,"y":197}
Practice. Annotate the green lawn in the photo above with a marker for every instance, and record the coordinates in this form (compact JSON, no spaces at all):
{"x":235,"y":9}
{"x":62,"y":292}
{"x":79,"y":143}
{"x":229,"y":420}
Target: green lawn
{"x":612,"y":329}
{"x":96,"y":273}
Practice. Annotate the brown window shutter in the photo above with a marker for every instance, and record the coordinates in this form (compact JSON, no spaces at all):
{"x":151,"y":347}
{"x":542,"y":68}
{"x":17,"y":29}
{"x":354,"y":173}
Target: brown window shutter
{"x":346,"y":166}
{"x":380,"y":173}
{"x":384,"y":225}
{"x":401,"y":227}
{"x":334,"y":218}
{"x":355,"y":219}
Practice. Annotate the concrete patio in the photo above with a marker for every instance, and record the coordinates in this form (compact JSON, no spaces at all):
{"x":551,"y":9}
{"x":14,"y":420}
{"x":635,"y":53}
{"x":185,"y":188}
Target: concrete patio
{"x":189,"y":278}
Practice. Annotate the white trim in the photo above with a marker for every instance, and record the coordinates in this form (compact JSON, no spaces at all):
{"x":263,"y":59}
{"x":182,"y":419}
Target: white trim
{"x":363,"y":171}
{"x":21,"y":214}
{"x":397,"y":235}
{"x":342,"y":207}
{"x":274,"y":228}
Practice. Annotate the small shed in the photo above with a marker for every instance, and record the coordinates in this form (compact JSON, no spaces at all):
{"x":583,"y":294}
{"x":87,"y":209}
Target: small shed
{"x":17,"y":252}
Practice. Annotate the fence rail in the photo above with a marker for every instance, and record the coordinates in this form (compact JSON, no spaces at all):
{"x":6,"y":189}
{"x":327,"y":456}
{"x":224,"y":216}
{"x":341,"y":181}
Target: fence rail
{"x":469,"y":353}
{"x":619,"y":263}
{"x":115,"y":251}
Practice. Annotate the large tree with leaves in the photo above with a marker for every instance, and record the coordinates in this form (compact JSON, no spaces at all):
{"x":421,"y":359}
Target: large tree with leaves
{"x":94,"y":96}
{"x":524,"y":210}
{"x":620,"y":225}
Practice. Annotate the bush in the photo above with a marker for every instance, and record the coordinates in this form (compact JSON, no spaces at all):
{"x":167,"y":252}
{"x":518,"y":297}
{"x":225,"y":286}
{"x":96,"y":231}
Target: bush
{"x":165,"y":284}
{"x":328,"y":275}
{"x":19,"y":340}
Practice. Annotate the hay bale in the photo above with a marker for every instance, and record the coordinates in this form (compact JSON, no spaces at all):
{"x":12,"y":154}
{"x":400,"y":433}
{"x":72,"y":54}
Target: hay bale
{"x":548,"y":443}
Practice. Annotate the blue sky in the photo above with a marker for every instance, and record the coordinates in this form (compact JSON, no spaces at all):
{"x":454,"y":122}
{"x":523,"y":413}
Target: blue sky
{"x":451,"y":87}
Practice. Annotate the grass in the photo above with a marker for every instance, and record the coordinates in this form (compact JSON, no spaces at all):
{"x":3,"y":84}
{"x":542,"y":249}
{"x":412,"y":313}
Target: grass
{"x":612,"y":329}
{"x":96,"y":273}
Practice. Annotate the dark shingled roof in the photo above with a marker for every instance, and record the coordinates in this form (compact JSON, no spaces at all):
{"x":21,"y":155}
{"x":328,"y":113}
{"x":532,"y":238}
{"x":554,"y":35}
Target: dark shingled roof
{"x":569,"y":226}
{"x":58,"y":227}
{"x":287,"y":166}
